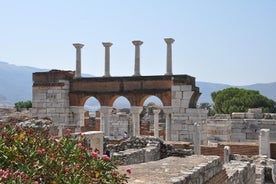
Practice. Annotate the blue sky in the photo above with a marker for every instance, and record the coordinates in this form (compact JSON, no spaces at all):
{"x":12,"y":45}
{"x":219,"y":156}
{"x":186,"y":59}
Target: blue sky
{"x":231,"y":42}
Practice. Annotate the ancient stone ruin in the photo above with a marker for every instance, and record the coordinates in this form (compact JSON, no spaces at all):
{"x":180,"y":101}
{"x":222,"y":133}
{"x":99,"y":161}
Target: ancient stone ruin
{"x":176,"y":143}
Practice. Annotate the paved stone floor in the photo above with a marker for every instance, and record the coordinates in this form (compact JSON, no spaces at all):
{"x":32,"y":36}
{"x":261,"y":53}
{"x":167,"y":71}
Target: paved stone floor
{"x":164,"y":171}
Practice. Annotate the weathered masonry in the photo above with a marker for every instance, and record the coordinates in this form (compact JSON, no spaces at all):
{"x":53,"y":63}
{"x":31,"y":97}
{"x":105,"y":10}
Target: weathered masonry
{"x":60,"y":95}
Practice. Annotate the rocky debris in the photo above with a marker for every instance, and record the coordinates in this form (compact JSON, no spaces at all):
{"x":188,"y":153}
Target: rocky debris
{"x":36,"y":123}
{"x":13,"y":116}
{"x":133,"y":144}
{"x":265,"y":167}
{"x":23,"y":118}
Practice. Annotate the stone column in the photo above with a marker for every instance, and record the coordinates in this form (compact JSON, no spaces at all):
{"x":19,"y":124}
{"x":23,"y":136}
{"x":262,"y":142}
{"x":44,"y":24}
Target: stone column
{"x":227,"y":153}
{"x":169,"y":42}
{"x":105,"y":115}
{"x":78,"y":47}
{"x":168,"y":110}
{"x":107,"y":46}
{"x":197,"y":139}
{"x":156,"y":122}
{"x":136,"y":110}
{"x":137,"y":44}
{"x":264,"y":142}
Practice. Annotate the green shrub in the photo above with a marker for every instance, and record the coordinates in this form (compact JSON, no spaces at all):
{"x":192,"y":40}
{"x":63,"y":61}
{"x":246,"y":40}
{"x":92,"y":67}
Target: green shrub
{"x":32,"y":156}
{"x":23,"y":105}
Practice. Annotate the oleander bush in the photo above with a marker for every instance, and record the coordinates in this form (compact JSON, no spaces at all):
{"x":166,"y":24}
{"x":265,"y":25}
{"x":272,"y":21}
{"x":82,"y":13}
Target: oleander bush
{"x":33,"y":156}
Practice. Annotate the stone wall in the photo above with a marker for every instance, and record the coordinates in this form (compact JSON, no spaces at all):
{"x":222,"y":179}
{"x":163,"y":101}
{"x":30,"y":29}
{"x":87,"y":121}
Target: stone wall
{"x":241,"y":127}
{"x":52,"y":101}
{"x":119,"y":123}
{"x":184,"y":117}
{"x":143,"y":149}
{"x":240,"y":172}
{"x":193,"y":169}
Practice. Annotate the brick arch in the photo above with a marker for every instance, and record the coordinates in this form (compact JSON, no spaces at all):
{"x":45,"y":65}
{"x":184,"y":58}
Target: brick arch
{"x":116,"y":97}
{"x":146,"y":97}
{"x":61,"y":87}
{"x":87,"y":97}
{"x":83,"y":100}
{"x":135,"y":89}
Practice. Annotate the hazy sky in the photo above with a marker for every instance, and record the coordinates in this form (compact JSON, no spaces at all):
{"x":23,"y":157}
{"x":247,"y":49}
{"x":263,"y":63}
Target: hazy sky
{"x":220,"y":41}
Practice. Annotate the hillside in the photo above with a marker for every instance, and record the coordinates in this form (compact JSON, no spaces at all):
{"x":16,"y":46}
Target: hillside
{"x":16,"y":85}
{"x":206,"y":88}
{"x":16,"y":82}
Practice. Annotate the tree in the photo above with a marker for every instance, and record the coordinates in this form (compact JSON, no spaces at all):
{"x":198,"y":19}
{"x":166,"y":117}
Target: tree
{"x":23,"y":105}
{"x":240,"y":100}
{"x":208,"y":107}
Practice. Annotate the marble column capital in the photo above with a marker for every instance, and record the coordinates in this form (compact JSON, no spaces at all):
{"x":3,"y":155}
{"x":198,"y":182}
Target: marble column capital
{"x":137,"y":42}
{"x":106,"y":109}
{"x":169,"y":40}
{"x":136,"y":109}
{"x":78,"y":45}
{"x":167,"y":109}
{"x":107,"y":44}
{"x":156,"y":111}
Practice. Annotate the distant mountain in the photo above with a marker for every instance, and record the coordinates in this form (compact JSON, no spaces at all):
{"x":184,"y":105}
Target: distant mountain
{"x":16,"y":82}
{"x":16,"y":85}
{"x":206,"y":88}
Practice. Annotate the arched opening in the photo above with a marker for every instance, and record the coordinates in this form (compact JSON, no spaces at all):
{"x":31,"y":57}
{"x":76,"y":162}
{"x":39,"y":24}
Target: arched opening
{"x":92,"y":113}
{"x":120,"y":124}
{"x":153,"y":119}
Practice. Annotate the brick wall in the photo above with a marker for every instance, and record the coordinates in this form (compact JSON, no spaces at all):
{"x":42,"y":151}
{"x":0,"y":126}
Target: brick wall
{"x":236,"y":148}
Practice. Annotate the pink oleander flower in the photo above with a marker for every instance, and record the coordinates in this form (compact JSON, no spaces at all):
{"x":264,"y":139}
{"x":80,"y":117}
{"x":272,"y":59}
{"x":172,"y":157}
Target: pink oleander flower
{"x":106,"y":157}
{"x":128,"y":170}
{"x":94,"y":154}
{"x":16,"y":173}
{"x":6,"y":174}
{"x":40,"y":150}
{"x":81,"y":146}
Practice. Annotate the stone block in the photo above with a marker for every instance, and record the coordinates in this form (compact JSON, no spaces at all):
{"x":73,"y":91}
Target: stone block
{"x":186,"y":88}
{"x":249,"y":116}
{"x":182,"y":110}
{"x":252,"y":136}
{"x":255,"y":110}
{"x":187,"y":95}
{"x":176,"y":103}
{"x":238,"y":137}
{"x":175,"y":88}
{"x":175,"y":137}
{"x":238,"y":115}
{"x":178,"y":95}
{"x":94,"y":139}
{"x":175,"y":109}
{"x":184,"y":103}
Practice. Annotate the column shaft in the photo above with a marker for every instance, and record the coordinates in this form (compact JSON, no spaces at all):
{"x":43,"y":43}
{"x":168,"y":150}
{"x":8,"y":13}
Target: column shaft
{"x":156,"y":122}
{"x":264,"y":142}
{"x":107,"y":46}
{"x":105,"y":118}
{"x":197,"y":139}
{"x":135,"y":110}
{"x":78,"y":47}
{"x":137,"y":44}
{"x":168,"y":110}
{"x":169,"y":42}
